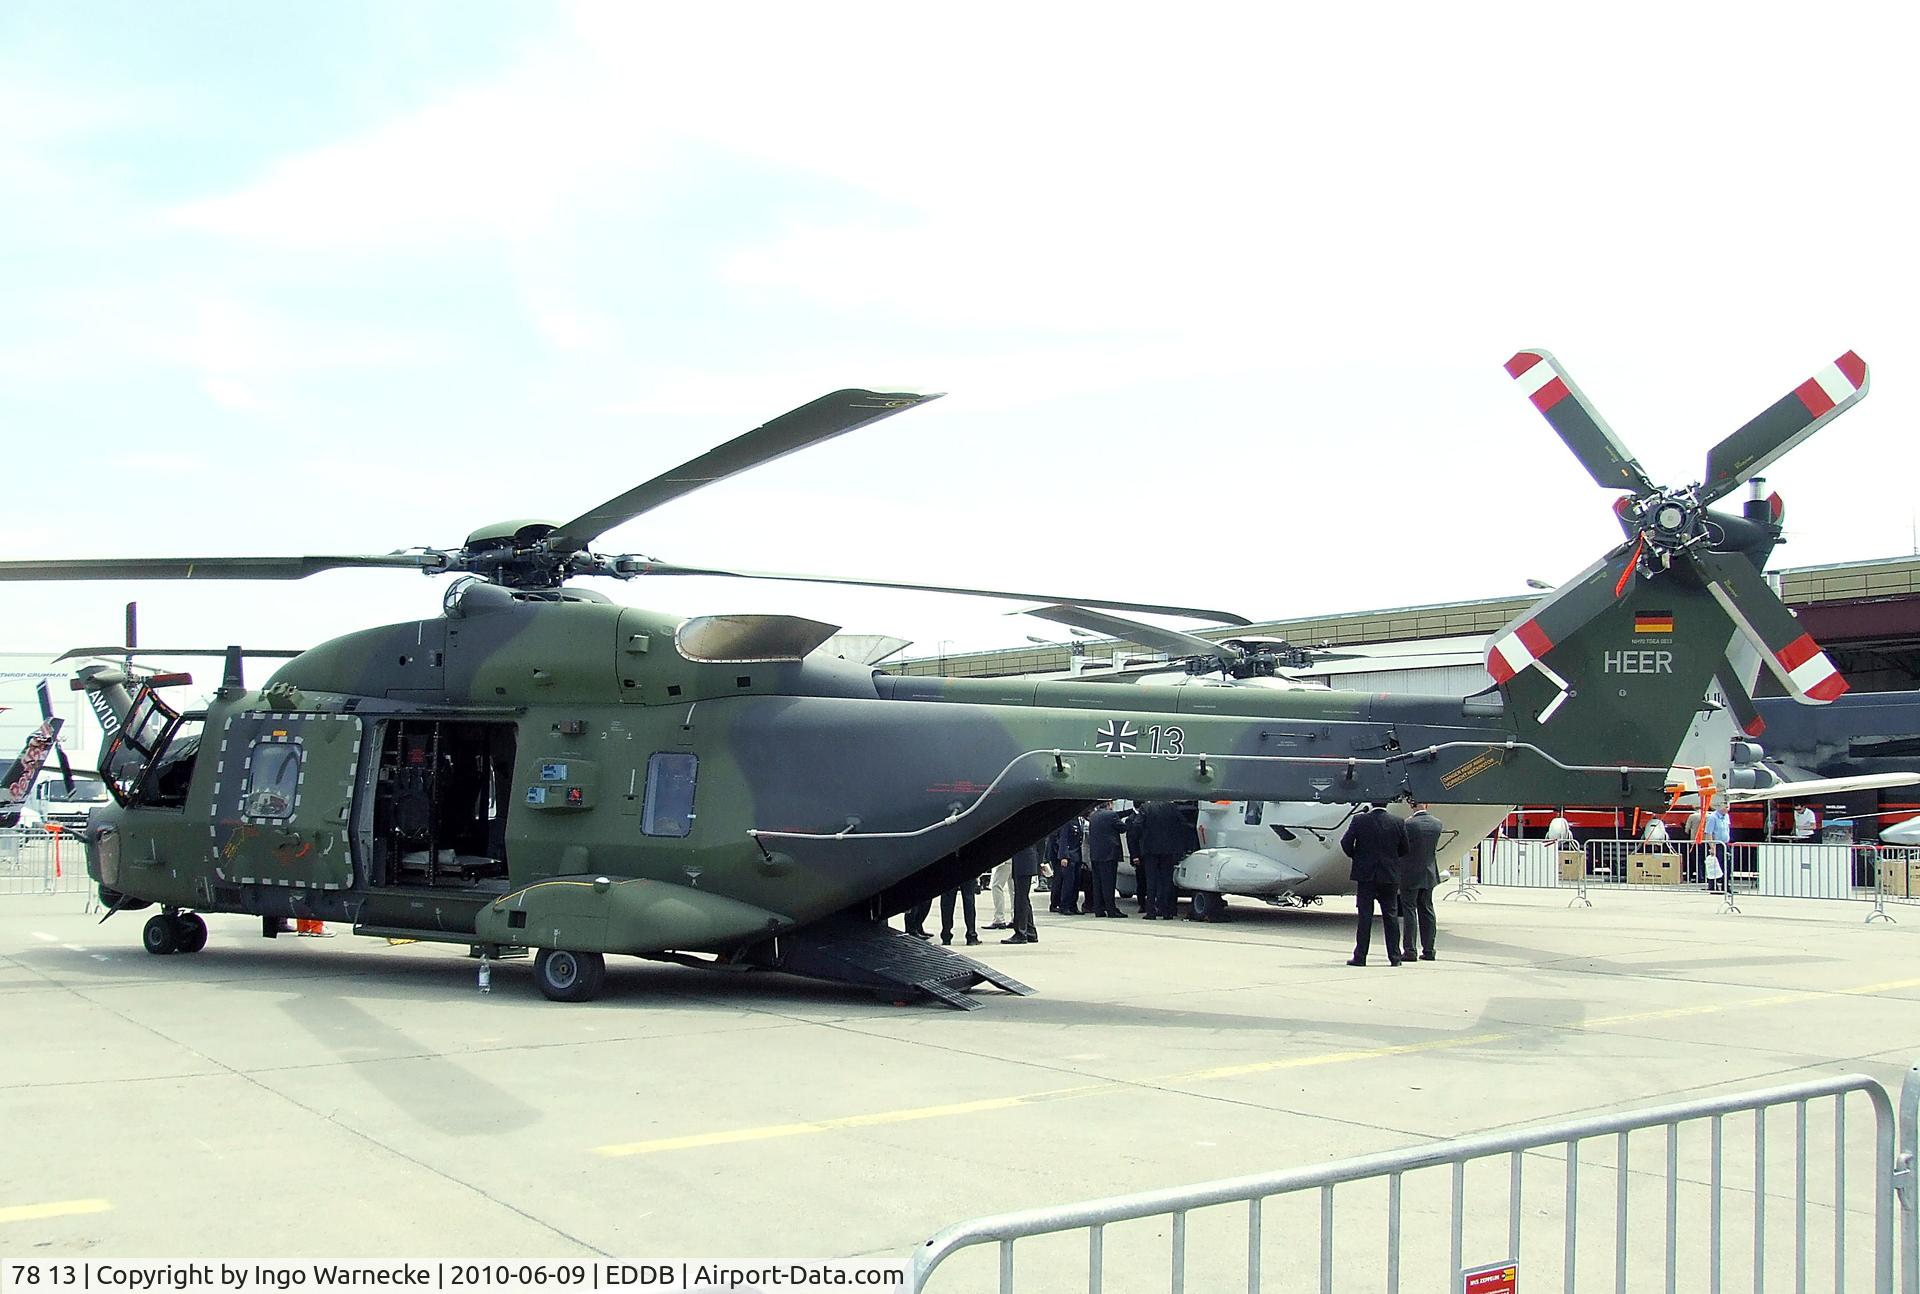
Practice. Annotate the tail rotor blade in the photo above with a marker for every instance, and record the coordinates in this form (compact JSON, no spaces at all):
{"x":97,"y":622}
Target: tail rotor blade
{"x":1567,"y":409}
{"x":59,"y":751}
{"x":1785,"y":648}
{"x":1791,"y":419}
{"x":1745,"y":713}
{"x":1556,"y":618}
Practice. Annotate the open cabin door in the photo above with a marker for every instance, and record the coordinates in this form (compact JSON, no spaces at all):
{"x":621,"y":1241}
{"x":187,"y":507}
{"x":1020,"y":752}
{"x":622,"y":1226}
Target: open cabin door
{"x":283,"y":801}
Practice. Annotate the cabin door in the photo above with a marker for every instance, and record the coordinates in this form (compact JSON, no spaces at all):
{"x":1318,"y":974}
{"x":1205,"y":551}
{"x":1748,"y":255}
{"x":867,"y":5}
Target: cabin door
{"x":283,"y":800}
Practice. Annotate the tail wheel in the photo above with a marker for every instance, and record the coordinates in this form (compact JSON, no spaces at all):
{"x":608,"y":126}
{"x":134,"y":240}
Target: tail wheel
{"x":160,"y":935}
{"x":190,"y":932}
{"x":568,"y":976}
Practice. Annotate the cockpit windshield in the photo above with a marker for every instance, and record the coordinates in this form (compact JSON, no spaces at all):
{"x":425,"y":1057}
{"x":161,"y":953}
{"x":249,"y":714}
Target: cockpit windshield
{"x":150,"y":760}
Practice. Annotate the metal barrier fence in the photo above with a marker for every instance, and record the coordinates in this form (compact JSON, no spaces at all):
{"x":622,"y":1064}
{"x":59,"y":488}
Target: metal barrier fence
{"x":33,"y":861}
{"x":1767,"y":869}
{"x":1691,"y":1175}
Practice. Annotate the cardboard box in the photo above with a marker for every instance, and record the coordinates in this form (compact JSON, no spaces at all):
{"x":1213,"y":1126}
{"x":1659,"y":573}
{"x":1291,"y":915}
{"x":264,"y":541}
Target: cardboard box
{"x":1573,"y":864}
{"x":1653,"y":867}
{"x":1900,"y":878}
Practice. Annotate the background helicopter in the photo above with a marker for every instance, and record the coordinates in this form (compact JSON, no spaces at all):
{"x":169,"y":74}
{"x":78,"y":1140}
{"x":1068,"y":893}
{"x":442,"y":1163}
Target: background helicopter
{"x":541,"y":768}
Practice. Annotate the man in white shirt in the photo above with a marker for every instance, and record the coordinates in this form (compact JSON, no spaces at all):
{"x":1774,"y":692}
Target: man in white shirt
{"x":1804,"y":822}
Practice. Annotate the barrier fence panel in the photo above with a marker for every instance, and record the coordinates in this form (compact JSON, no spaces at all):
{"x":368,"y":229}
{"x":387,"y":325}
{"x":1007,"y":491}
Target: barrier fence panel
{"x":1768,"y":869}
{"x":42,"y":862}
{"x":1794,"y":1187}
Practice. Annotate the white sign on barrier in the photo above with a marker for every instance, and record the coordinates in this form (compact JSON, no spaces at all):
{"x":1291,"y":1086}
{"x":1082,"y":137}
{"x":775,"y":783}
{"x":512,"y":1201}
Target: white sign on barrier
{"x":1804,"y":871}
{"x":1520,"y":862}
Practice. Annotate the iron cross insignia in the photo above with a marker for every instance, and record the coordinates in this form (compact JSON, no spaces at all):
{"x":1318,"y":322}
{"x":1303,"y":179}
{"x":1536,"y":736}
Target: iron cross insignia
{"x":1118,"y":737}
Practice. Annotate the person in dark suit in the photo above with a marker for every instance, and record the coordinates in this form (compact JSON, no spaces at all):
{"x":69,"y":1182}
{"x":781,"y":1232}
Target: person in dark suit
{"x":1376,"y":842}
{"x":1103,"y":855}
{"x":1165,"y":838}
{"x":1026,"y":867}
{"x":917,"y":919}
{"x":1069,"y":850}
{"x":1419,"y":872}
{"x":1131,"y":833}
{"x":964,"y":894}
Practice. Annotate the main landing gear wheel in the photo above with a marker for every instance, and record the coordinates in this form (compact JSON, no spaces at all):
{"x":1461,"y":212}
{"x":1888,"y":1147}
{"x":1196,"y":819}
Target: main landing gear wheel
{"x":1208,"y":906}
{"x":569,"y":977}
{"x":160,"y":935}
{"x":190,"y":932}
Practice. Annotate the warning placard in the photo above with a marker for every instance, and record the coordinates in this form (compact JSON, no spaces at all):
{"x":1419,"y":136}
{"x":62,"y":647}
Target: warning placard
{"x":1494,"y":1278}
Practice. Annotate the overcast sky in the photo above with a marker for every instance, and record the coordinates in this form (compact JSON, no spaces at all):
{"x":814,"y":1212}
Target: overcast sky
{"x":1221,"y":297}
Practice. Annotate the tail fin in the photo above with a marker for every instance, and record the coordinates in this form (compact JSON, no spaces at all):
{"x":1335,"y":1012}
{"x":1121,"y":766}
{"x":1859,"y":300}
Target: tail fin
{"x":1612,"y":667}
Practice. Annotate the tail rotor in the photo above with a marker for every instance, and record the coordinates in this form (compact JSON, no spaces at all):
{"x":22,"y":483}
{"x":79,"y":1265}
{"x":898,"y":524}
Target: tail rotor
{"x":1675,"y":533}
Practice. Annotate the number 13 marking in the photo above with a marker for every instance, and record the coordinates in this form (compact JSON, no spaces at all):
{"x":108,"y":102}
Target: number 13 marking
{"x":1165,"y":741}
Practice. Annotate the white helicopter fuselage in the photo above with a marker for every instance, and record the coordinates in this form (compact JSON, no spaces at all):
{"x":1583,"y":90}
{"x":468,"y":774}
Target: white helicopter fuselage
{"x":1289,"y":852}
{"x":1286,"y":852}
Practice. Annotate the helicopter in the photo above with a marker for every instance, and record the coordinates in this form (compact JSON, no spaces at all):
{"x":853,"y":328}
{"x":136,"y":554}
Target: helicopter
{"x":540,"y":768}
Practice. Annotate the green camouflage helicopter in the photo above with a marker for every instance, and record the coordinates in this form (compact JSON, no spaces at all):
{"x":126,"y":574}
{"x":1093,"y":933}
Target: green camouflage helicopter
{"x":542,"y":769}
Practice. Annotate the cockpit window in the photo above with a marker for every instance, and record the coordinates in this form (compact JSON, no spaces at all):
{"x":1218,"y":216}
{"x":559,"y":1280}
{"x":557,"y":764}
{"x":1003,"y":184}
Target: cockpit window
{"x":273,"y":779}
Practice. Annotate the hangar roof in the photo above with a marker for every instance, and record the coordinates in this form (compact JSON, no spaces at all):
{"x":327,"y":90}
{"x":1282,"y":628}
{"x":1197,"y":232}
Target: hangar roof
{"x":1866,"y":613}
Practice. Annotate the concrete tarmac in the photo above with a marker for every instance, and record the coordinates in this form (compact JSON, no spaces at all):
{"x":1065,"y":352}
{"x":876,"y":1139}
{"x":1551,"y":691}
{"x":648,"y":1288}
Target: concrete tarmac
{"x":340,"y":1098}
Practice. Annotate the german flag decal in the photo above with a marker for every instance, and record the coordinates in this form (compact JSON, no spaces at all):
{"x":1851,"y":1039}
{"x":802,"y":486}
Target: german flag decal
{"x":1653,"y":622}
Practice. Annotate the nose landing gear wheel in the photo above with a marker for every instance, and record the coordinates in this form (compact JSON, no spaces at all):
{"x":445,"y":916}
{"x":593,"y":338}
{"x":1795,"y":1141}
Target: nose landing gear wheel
{"x":160,"y":935}
{"x":569,"y":977}
{"x":190,"y":932}
{"x":1208,"y":906}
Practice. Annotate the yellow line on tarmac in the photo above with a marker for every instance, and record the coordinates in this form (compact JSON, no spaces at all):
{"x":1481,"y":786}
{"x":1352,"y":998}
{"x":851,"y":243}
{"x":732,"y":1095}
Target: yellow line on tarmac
{"x":735,"y":1136}
{"x":59,"y":1209}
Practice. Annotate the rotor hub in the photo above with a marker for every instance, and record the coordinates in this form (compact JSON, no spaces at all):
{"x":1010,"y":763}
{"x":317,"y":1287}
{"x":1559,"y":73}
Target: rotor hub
{"x":1671,"y":520}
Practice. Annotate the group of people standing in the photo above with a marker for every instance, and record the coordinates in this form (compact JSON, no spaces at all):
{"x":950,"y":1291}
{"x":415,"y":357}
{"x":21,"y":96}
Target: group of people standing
{"x":1087,"y":852}
{"x":1084,"y":855}
{"x":1395,"y":869}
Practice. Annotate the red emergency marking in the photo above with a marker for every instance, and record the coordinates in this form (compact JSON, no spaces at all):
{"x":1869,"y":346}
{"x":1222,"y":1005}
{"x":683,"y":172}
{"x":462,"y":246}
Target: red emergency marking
{"x":1535,"y":638}
{"x":1854,"y":367}
{"x":1521,"y":362}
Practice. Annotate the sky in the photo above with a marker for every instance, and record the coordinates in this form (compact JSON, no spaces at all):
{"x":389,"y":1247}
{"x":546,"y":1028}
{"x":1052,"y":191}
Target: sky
{"x":1220,"y":300}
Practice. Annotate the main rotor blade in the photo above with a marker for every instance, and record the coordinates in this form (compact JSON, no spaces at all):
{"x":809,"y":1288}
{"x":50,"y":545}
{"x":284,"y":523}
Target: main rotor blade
{"x":823,"y":419}
{"x":1788,"y":421}
{"x":1171,"y":641}
{"x":1148,"y":608}
{"x":1580,"y":425}
{"x":208,"y":568}
{"x":1785,"y":648}
{"x":85,"y":653}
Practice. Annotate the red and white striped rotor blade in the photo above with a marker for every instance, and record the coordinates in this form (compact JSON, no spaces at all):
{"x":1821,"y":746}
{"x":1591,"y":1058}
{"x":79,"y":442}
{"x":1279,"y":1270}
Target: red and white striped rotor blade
{"x":1580,"y":425}
{"x":1787,"y":650}
{"x":1788,"y":421}
{"x":1558,"y":616}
